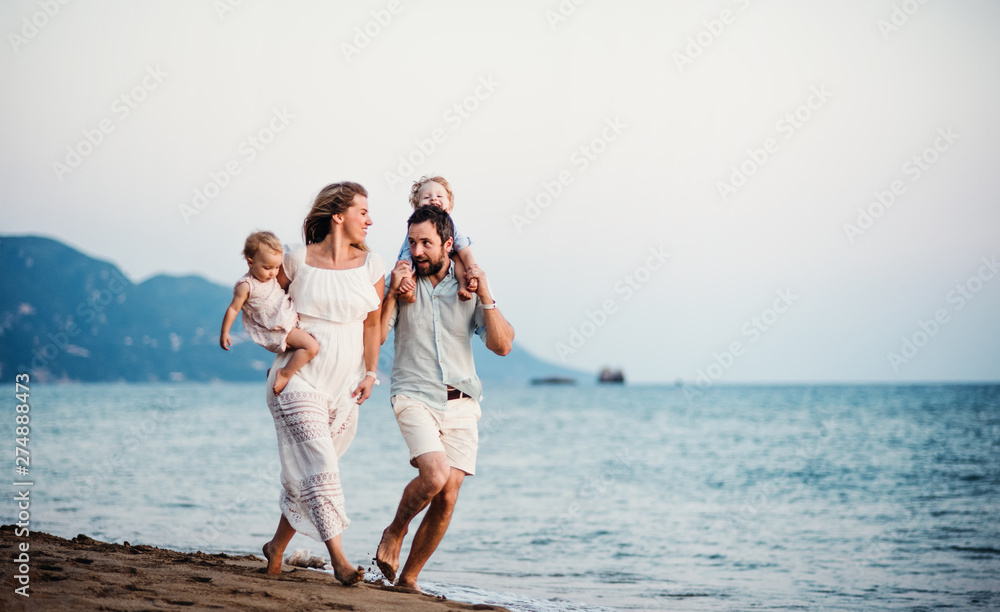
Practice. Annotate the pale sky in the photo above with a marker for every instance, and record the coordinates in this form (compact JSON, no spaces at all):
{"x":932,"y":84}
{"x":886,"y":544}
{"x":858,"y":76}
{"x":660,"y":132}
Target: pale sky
{"x":634,"y":115}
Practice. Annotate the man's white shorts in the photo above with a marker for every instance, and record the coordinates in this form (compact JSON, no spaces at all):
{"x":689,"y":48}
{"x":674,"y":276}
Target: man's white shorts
{"x":454,"y":431}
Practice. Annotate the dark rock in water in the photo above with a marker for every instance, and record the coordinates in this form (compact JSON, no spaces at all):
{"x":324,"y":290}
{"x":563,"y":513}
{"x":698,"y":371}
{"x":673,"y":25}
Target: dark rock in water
{"x":554,"y":380}
{"x":609,"y":375}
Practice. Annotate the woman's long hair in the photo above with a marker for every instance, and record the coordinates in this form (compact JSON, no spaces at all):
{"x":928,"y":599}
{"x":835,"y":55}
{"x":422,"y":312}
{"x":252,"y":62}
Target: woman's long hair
{"x":332,"y":200}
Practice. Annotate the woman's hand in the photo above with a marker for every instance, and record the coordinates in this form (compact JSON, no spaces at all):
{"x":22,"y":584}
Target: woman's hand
{"x":364,"y":390}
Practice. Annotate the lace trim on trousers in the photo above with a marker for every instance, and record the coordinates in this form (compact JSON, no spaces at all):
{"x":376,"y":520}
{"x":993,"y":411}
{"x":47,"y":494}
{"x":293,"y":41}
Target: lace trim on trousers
{"x":312,"y":498}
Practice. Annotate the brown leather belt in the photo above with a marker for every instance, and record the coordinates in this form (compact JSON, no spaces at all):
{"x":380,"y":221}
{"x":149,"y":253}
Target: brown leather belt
{"x":454,"y":394}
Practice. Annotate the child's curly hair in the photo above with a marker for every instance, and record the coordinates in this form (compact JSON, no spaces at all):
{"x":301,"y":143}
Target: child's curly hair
{"x":417,"y":185}
{"x":257,"y":240}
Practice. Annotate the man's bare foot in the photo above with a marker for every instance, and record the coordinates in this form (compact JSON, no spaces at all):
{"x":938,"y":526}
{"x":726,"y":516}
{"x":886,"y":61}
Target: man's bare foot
{"x":273,"y":558}
{"x":387,"y":555}
{"x":280,"y":380}
{"x":408,"y":585}
{"x":464,"y":295}
{"x":350,"y":575}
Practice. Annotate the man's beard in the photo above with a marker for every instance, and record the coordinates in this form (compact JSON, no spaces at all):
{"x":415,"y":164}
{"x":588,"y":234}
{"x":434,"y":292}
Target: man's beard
{"x":432,"y":268}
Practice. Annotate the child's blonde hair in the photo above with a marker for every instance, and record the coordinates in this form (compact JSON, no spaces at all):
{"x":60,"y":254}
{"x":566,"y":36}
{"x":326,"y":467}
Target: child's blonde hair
{"x":257,"y":240}
{"x":417,"y":185}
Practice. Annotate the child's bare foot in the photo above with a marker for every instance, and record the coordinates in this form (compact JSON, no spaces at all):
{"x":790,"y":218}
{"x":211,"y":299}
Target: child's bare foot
{"x":407,"y":296}
{"x":464,"y":295}
{"x":281,"y":379}
{"x":273,"y":558}
{"x":350,"y":575}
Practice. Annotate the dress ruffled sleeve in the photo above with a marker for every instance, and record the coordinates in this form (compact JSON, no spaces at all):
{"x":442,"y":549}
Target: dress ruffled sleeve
{"x":242,"y":280}
{"x":294,"y":254}
{"x":376,"y":267}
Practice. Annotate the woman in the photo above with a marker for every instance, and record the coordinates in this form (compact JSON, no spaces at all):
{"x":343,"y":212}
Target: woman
{"x":337,"y":287}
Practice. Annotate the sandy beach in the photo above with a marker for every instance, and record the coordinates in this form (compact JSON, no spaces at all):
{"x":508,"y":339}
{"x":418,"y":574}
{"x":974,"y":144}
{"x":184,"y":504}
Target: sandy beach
{"x":85,"y":574}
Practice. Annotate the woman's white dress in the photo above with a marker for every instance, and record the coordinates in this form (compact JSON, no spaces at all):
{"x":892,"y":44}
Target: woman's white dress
{"x":315,"y":416}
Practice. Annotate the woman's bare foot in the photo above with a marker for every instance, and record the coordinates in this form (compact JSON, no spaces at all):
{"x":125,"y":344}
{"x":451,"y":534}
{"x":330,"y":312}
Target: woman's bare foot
{"x":387,"y":555}
{"x":350,"y":575}
{"x":281,"y":379}
{"x":273,"y":558}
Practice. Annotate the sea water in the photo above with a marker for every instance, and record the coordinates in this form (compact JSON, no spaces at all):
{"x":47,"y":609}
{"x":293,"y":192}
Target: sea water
{"x":585,"y":497}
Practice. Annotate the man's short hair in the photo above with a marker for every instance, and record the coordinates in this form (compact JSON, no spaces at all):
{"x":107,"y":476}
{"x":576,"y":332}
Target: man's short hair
{"x":440,"y":219}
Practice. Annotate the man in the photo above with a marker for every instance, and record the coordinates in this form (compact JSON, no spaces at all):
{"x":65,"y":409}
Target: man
{"x":435,"y":390}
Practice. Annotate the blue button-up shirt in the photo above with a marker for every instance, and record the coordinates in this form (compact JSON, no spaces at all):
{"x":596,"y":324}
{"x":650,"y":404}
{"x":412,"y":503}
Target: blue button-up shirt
{"x":433,"y":343}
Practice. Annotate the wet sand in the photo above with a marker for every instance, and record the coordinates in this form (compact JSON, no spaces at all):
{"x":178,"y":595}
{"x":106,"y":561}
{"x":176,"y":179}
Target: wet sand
{"x":85,"y":574}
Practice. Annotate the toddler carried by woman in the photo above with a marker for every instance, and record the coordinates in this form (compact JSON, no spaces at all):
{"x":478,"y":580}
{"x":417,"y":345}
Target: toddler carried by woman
{"x":268,"y":314}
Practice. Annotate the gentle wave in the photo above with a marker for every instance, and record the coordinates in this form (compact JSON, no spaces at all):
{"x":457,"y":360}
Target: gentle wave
{"x":585,"y":498}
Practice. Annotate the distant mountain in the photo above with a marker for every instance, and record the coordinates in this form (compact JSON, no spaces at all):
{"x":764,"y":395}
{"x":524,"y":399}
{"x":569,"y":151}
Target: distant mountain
{"x":69,"y":317}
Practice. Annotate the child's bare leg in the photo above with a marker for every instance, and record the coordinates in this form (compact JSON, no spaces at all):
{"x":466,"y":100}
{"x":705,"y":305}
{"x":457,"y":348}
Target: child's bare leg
{"x":305,"y":347}
{"x":465,"y":286}
{"x":408,"y":289}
